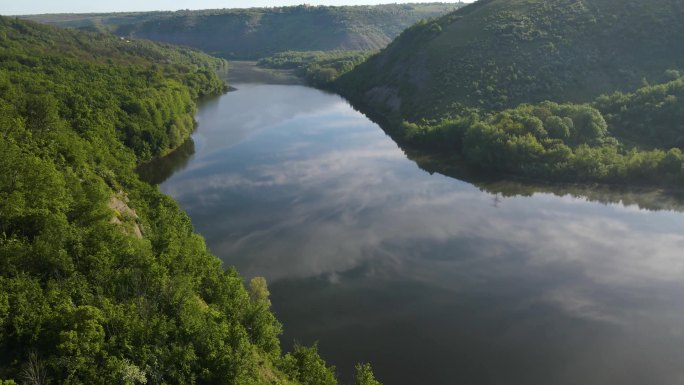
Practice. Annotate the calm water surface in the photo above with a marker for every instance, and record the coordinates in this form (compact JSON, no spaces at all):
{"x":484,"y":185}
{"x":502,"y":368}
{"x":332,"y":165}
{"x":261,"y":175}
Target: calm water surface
{"x":431,"y":279}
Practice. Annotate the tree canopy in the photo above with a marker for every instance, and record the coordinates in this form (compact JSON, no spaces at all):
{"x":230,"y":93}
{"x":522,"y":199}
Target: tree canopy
{"x":102,"y":278}
{"x":497,"y":54}
{"x":620,"y":138}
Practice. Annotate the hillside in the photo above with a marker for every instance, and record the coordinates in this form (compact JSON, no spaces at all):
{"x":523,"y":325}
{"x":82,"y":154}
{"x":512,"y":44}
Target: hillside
{"x":547,"y":90}
{"x":496,"y":54}
{"x":258,"y":32}
{"x":102,"y":278}
{"x":317,"y":68}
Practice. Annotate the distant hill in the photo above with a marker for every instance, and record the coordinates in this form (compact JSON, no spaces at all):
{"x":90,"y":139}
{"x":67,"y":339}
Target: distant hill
{"x":258,"y":32}
{"x":496,"y":54}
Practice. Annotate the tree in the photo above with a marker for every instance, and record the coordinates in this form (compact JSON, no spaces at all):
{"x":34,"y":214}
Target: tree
{"x":258,"y":291}
{"x":364,"y":375}
{"x":305,"y":365}
{"x":33,"y":372}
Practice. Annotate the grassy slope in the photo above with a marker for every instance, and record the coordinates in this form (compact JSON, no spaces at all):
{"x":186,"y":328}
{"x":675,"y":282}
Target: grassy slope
{"x":496,"y":54}
{"x":255,"y":33}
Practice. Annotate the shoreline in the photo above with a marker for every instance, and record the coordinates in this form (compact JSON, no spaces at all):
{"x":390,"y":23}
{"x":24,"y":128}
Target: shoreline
{"x":244,"y":71}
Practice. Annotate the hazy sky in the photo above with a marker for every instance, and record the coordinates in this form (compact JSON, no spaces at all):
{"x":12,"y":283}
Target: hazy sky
{"x":18,"y":7}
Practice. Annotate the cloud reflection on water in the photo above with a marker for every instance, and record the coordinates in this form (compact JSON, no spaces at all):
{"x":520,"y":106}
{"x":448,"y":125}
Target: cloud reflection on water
{"x":322,"y":192}
{"x":341,"y":201}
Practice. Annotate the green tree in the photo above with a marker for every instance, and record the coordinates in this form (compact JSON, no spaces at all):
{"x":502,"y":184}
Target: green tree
{"x":306,"y":366}
{"x":364,"y":375}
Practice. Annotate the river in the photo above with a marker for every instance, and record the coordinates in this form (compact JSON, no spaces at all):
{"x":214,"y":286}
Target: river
{"x":432,"y":279}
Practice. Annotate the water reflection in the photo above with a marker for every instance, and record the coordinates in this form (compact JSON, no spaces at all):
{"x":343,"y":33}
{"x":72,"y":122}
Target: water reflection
{"x":433,"y":279}
{"x":159,"y":170}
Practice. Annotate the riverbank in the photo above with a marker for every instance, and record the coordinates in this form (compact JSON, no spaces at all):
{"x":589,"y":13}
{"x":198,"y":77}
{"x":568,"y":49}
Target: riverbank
{"x":249,"y":72}
{"x":359,"y":245}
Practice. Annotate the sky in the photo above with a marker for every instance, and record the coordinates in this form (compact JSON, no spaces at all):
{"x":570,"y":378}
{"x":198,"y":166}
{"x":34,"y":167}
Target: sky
{"x":14,"y":7}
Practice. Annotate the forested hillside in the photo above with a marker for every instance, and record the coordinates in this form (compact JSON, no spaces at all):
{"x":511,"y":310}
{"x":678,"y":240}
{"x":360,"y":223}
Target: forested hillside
{"x":572,"y":90}
{"x":496,"y":54}
{"x":318,"y":68}
{"x":102,"y":279}
{"x":258,"y":32}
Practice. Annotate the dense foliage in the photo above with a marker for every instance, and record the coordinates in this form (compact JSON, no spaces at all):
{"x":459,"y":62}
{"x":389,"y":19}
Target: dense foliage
{"x":477,"y":82}
{"x":318,"y":68}
{"x":572,"y":142}
{"x":102,"y":279}
{"x":258,"y":32}
{"x":497,"y":54}
{"x":653,"y":116}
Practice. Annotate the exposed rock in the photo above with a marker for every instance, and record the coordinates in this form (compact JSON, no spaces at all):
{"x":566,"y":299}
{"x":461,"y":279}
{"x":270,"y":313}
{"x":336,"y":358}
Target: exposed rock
{"x":125,"y":216}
